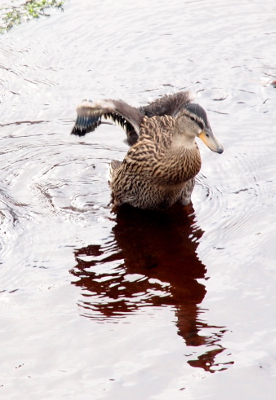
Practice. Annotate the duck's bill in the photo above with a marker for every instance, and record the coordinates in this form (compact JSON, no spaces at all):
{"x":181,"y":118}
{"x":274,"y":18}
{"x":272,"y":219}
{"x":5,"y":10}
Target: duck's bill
{"x":209,"y":139}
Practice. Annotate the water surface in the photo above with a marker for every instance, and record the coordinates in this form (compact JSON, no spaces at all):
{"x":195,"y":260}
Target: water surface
{"x":140,"y":305}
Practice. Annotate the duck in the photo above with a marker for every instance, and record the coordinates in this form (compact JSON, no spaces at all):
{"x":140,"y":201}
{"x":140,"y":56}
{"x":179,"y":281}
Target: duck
{"x":160,"y":167}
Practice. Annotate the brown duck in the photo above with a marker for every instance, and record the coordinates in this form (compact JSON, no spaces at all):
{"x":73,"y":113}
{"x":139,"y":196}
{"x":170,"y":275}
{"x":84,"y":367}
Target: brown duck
{"x":159,"y":169}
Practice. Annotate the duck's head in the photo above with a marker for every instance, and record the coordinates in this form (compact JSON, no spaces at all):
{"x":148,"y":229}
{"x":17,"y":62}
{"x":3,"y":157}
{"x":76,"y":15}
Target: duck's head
{"x":192,"y":121}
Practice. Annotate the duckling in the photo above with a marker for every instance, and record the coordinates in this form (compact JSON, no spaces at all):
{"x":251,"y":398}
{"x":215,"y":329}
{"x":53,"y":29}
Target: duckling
{"x":159,"y":169}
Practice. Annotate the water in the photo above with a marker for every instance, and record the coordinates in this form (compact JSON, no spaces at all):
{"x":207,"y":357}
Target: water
{"x":139,"y":306}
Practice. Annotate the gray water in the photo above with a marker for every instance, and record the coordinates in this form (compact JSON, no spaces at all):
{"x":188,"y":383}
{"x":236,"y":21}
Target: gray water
{"x":137,"y":306}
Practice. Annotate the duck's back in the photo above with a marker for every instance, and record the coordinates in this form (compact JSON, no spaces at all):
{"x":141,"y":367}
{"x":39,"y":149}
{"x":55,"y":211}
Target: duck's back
{"x":154,"y":140}
{"x":158,"y":129}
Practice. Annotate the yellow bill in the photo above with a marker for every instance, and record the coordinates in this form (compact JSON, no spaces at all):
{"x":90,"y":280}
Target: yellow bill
{"x":209,"y":139}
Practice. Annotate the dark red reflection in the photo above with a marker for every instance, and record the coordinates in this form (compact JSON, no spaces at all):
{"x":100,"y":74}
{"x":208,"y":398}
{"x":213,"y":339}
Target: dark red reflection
{"x":161,"y":247}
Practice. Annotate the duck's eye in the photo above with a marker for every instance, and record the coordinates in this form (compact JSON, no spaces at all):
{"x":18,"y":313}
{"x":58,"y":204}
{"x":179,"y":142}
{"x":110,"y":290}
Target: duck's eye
{"x":192,"y":118}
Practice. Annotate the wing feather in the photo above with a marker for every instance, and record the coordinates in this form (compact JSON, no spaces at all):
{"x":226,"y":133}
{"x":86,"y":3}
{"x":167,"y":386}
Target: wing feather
{"x":168,"y":105}
{"x":90,"y":114}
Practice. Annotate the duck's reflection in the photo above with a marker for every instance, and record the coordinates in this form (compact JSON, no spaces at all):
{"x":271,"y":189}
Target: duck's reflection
{"x":151,"y":260}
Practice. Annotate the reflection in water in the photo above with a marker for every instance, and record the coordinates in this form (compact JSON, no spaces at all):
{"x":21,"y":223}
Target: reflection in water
{"x":152,"y":260}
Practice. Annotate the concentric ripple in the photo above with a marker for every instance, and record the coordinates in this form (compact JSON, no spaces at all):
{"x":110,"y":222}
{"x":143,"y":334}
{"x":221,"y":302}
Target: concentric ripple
{"x":99,"y":303}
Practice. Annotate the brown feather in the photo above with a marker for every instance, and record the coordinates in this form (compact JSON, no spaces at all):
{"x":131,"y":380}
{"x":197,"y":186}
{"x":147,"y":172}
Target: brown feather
{"x":160,"y":168}
{"x":154,"y":174}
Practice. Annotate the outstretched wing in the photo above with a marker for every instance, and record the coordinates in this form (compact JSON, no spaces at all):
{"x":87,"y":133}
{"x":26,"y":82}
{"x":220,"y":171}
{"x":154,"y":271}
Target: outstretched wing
{"x":90,"y":114}
{"x":168,"y":105}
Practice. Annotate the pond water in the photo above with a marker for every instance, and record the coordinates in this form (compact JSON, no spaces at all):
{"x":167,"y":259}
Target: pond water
{"x":140,"y":305}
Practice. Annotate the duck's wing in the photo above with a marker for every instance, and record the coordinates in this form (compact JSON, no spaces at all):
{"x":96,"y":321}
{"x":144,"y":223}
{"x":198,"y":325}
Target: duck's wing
{"x":90,"y":114}
{"x":168,"y":105}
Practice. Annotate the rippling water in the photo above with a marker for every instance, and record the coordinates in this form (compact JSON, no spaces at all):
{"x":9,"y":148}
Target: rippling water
{"x":139,"y":305}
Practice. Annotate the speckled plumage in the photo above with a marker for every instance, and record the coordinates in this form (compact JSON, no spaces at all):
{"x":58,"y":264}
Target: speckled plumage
{"x":160,"y":167}
{"x":154,"y":175}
